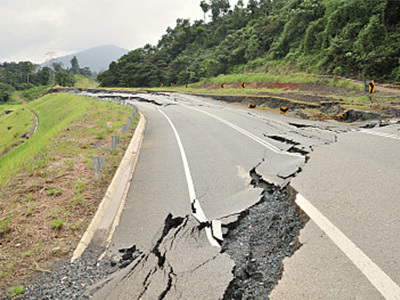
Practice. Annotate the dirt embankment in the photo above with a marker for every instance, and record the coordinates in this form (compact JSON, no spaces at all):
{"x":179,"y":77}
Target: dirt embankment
{"x":315,"y":101}
{"x":22,"y":99}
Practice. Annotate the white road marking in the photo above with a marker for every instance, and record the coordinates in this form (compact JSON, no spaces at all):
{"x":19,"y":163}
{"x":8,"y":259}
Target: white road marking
{"x":382,"y":134}
{"x":199,"y":214}
{"x":379,"y":279}
{"x":248,"y":134}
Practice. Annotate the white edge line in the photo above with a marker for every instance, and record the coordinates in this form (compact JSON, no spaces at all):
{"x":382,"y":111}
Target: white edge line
{"x":379,"y":279}
{"x":199,"y":215}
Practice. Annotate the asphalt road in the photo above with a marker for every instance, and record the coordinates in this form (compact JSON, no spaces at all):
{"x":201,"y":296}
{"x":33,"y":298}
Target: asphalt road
{"x":355,"y":184}
{"x":196,"y":149}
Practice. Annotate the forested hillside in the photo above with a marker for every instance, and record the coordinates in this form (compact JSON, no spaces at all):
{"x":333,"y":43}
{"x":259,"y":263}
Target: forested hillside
{"x":354,"y":38}
{"x":26,"y":75}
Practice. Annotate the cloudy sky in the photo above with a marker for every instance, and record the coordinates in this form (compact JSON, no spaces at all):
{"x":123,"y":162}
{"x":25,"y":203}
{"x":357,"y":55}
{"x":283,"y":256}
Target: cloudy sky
{"x":31,"y":28}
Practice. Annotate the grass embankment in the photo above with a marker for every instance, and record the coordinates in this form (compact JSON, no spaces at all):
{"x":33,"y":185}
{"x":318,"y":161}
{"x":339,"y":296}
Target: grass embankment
{"x":272,"y":78}
{"x":14,"y":126}
{"x":298,"y":89}
{"x":34,"y":93}
{"x":48,"y":193}
{"x":54,"y":113}
{"x":85,"y":82}
{"x":259,"y":84}
{"x":21,"y":97}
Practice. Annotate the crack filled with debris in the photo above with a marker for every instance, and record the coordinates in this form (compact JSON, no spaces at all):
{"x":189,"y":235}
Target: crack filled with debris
{"x":282,"y":139}
{"x":293,"y":148}
{"x":260,"y":239}
{"x":141,"y":99}
{"x":169,"y":224}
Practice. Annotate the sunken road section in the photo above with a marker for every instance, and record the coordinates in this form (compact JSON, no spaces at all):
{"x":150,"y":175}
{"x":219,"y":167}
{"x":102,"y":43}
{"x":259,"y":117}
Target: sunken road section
{"x":262,"y":237}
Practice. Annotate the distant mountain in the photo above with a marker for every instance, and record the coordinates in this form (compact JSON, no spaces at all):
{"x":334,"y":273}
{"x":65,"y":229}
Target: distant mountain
{"x":97,"y":59}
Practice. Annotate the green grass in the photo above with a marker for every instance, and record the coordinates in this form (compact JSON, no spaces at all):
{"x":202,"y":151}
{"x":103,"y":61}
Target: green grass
{"x":14,"y":100}
{"x":272,"y":78}
{"x":33,"y":93}
{"x":55,"y":112}
{"x":84,"y":82}
{"x":57,"y":223}
{"x":14,"y":125}
{"x":15,"y":291}
{"x":4,"y":107}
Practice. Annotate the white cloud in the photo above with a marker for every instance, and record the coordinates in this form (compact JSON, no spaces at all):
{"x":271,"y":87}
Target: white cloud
{"x":30,"y":28}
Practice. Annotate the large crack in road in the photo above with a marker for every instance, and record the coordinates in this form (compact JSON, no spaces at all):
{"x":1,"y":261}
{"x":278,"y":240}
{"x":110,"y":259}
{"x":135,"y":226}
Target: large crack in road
{"x":181,"y":264}
{"x":258,"y":242}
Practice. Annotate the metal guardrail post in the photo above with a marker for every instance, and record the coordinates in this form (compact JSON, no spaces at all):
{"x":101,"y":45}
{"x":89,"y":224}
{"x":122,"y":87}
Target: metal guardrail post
{"x":99,"y":162}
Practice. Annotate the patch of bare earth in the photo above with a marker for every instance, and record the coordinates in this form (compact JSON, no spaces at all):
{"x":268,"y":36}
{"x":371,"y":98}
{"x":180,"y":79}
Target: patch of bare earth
{"x":45,"y":209}
{"x":22,"y":99}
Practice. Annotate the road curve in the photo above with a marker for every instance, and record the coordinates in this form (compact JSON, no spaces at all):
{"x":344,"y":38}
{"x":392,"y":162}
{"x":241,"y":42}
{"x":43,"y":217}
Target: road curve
{"x":223,"y":144}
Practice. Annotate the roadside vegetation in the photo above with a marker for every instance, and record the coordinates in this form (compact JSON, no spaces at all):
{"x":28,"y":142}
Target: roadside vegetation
{"x":48,"y":193}
{"x":54,"y":112}
{"x":85,"y":82}
{"x":349,"y":38}
{"x":24,"y":81}
{"x":16,"y":123}
{"x":33,"y":93}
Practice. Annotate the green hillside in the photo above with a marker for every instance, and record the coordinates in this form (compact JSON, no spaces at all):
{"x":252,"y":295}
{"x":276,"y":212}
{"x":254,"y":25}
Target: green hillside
{"x":85,"y":82}
{"x":15,"y":125}
{"x":356,"y":38}
{"x":55,"y":112}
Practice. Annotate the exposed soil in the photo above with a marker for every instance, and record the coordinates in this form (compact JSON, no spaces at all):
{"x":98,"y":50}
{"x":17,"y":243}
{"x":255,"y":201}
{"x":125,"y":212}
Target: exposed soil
{"x":46,"y":208}
{"x":22,"y":99}
{"x":291,"y":88}
{"x":312,"y":101}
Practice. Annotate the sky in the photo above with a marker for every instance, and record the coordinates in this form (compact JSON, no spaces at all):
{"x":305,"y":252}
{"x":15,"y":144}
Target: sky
{"x":37,"y":30}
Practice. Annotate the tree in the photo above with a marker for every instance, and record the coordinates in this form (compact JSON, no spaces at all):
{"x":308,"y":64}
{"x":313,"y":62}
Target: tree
{"x":327,"y":36}
{"x":5,"y":91}
{"x":205,"y":7}
{"x":65,"y":79}
{"x":58,"y":66}
{"x":252,"y":6}
{"x":44,"y":76}
{"x":219,"y":8}
{"x":74,"y":66}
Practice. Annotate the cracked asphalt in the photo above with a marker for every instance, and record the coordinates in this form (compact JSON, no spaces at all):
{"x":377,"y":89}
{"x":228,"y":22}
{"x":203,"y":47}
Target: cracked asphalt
{"x":224,"y":144}
{"x":246,"y":167}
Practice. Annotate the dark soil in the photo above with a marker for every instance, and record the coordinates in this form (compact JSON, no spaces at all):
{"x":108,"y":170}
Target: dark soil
{"x":259,"y":241}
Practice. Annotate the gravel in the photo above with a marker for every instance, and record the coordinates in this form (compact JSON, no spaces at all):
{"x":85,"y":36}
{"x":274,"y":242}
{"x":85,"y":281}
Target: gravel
{"x":70,"y":280}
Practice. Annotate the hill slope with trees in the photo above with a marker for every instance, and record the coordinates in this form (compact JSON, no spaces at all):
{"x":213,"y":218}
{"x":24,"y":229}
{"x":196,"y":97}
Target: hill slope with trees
{"x":25,"y":76}
{"x":355,"y":38}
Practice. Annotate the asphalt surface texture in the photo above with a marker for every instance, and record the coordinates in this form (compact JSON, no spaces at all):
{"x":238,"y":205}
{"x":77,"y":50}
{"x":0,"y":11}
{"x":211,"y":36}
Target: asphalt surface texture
{"x":243,"y":168}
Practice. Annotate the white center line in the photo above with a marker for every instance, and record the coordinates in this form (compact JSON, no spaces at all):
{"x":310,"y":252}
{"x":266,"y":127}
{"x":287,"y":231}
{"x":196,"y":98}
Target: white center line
{"x":382,"y":134}
{"x":248,"y":134}
{"x":379,"y":279}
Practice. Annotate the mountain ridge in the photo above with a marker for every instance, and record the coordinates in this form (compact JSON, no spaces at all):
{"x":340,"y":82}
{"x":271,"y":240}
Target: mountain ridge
{"x":96,"y":58}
